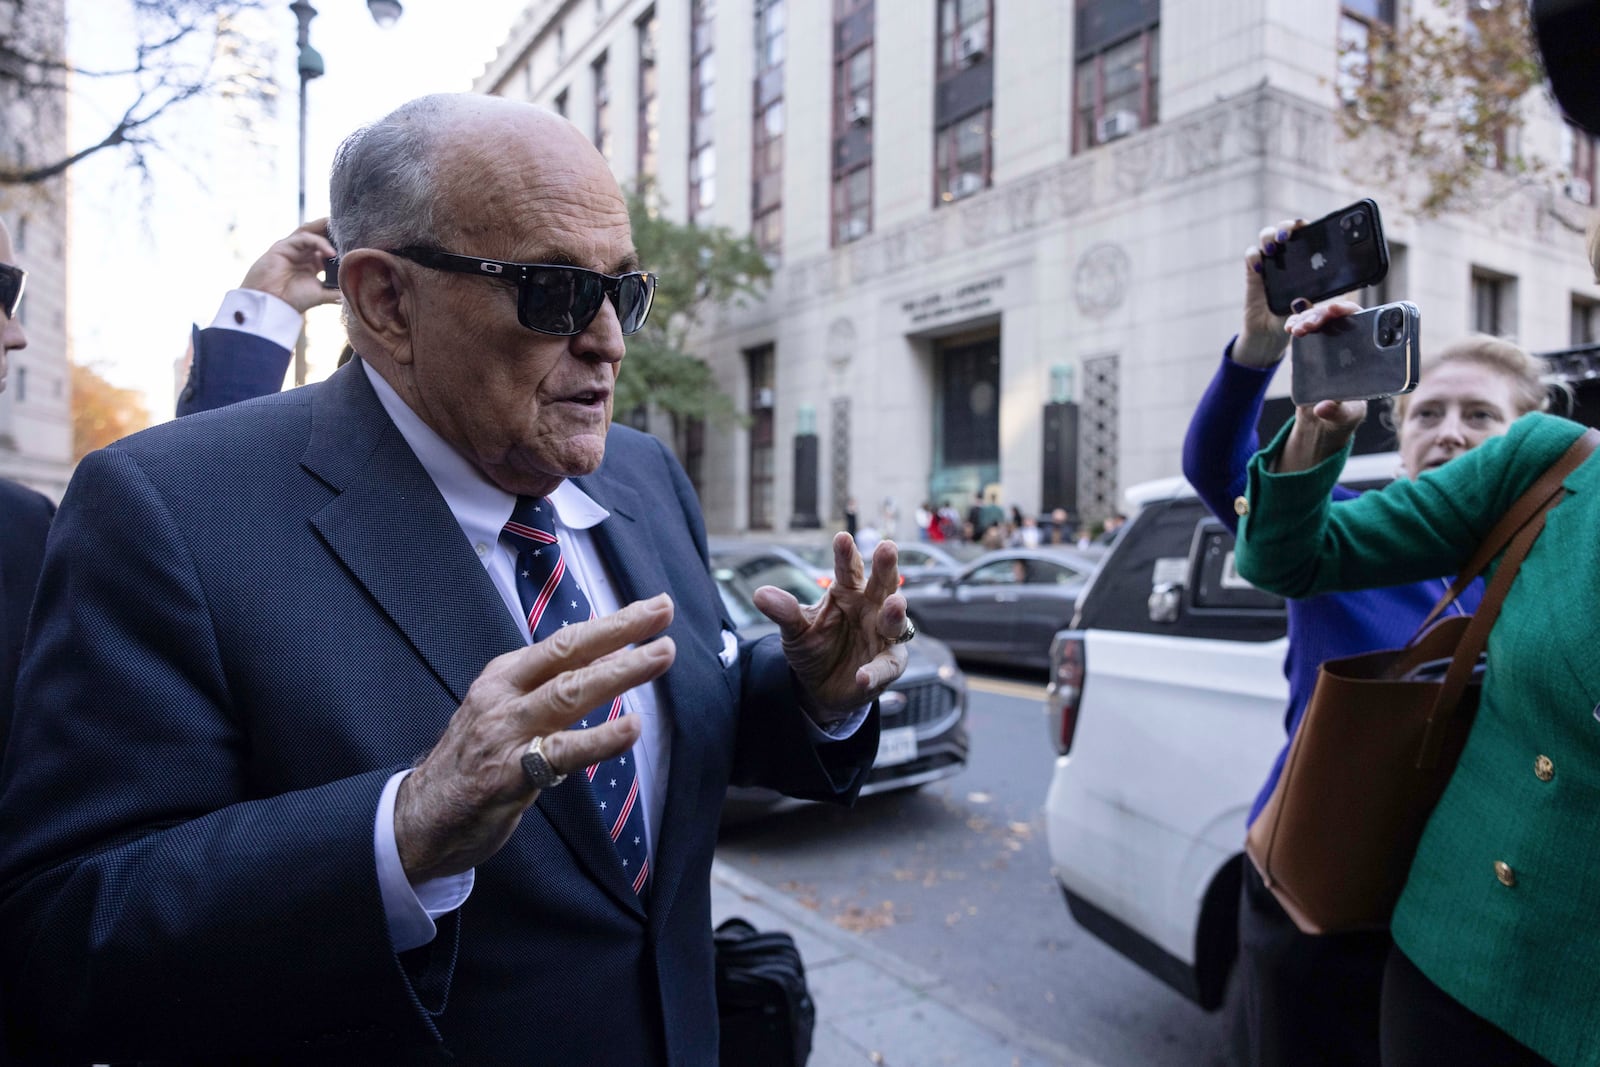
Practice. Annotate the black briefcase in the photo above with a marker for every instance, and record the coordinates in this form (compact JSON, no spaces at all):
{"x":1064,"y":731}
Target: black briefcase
{"x":764,"y":1007}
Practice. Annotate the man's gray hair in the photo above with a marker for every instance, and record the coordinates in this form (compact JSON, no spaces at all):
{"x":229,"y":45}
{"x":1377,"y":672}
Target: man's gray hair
{"x":382,"y":189}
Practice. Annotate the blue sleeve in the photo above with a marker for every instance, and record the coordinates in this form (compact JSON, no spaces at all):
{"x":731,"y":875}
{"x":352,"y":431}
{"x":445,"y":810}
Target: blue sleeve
{"x":1222,"y":435}
{"x":230,"y":366}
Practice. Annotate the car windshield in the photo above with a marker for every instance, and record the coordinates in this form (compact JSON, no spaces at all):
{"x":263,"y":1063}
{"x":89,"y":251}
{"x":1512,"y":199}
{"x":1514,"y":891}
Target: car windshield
{"x":737,"y":581}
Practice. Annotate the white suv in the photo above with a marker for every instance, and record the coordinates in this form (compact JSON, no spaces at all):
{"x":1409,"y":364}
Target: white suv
{"x":1166,"y":707}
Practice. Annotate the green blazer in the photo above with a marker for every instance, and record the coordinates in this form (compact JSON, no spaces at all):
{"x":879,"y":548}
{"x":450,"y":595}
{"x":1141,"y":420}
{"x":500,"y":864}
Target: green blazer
{"x":1502,"y":908}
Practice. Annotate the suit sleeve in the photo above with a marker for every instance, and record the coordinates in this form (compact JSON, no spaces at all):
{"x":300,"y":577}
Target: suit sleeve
{"x":149,"y":914}
{"x":1222,"y":435}
{"x":1296,"y":542}
{"x":774,"y":746}
{"x":230,"y":366}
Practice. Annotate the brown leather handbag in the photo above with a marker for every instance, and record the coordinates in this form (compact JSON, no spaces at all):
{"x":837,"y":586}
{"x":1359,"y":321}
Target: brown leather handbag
{"x":1380,"y":739}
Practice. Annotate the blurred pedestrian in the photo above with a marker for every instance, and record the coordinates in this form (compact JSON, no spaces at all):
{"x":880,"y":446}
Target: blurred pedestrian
{"x":24,"y":514}
{"x":850,"y":517}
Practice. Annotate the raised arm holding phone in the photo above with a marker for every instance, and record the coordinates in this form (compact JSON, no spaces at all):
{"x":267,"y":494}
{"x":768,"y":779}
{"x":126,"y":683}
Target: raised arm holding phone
{"x":1310,"y":1000}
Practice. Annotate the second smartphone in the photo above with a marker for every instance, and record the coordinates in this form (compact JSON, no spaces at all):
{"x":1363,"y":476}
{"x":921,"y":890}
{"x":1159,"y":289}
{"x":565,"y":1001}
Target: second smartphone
{"x":1364,"y":356}
{"x":1338,"y":253}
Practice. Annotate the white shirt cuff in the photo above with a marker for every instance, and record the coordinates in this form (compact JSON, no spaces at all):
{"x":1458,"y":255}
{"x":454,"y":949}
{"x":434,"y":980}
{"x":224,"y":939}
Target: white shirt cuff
{"x":840,"y":731}
{"x":262,"y":314}
{"x":410,"y":910}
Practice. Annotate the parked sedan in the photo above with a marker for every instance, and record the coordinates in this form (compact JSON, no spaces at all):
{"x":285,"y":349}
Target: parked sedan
{"x":923,"y":716}
{"x":1006,"y":606}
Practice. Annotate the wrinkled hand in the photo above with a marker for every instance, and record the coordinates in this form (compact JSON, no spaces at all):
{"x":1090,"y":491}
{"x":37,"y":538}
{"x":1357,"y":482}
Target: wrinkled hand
{"x":840,"y":646}
{"x":1321,"y":429}
{"x":1261,"y":340}
{"x":461,"y":804}
{"x":289,"y":269}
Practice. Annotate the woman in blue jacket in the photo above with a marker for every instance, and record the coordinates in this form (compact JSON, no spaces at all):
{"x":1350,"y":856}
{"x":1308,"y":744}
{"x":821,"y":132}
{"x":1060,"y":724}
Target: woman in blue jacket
{"x":1304,"y":999}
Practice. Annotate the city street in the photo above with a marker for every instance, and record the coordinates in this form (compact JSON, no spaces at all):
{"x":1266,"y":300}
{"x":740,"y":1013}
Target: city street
{"x":954,"y":879}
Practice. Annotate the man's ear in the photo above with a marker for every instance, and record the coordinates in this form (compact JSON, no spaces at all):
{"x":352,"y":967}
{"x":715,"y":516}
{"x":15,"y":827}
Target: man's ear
{"x":378,"y":298}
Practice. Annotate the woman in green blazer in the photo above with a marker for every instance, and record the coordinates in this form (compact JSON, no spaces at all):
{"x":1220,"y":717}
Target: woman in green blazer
{"x":1497,"y":934}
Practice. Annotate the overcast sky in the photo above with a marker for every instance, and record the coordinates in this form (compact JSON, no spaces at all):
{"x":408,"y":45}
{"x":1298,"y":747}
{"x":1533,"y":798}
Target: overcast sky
{"x":148,"y":259}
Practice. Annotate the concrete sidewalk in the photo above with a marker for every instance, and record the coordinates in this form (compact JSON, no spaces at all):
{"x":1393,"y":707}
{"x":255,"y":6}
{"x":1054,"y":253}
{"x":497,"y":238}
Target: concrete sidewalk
{"x":874,"y":1008}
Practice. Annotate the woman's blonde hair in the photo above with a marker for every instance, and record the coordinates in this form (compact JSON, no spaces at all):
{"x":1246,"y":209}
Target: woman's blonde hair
{"x":1525,"y":372}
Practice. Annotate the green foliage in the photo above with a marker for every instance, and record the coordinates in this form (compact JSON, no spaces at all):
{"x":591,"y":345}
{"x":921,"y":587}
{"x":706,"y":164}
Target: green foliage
{"x":1447,"y":89}
{"x":699,"y":268}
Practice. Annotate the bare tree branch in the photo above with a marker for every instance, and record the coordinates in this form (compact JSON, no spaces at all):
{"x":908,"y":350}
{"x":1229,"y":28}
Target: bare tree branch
{"x":174,"y":60}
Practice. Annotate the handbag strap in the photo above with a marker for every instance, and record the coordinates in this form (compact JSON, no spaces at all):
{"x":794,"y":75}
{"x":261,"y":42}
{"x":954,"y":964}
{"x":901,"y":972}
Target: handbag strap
{"x":1525,"y":522}
{"x":1516,"y":517}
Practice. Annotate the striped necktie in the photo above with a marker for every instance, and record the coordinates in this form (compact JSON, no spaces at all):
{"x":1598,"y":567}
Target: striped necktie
{"x":552,"y":599}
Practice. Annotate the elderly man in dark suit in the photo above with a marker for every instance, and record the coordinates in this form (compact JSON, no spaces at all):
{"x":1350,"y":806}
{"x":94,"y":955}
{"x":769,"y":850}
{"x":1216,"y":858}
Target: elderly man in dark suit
{"x":24,"y":514}
{"x":396,"y":724}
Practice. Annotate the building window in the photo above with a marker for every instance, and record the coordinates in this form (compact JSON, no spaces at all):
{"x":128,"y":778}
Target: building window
{"x":1117,"y":71}
{"x":1363,"y":24}
{"x":759,"y":367}
{"x":602,"y":107}
{"x":1578,"y":153}
{"x":1492,"y":308}
{"x":702,"y":110}
{"x":1585,"y":321}
{"x":963,"y":33}
{"x":766,"y":201}
{"x":560,"y":103}
{"x":649,"y":119}
{"x":963,"y":107}
{"x":961,"y":157}
{"x":852,"y":119}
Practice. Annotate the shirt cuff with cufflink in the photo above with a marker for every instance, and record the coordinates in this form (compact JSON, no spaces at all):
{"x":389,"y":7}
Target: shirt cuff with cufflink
{"x":262,"y":314}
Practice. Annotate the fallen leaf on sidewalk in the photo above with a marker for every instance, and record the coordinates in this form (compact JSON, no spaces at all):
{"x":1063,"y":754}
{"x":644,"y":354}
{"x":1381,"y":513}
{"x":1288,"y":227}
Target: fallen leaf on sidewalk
{"x":859,"y":920}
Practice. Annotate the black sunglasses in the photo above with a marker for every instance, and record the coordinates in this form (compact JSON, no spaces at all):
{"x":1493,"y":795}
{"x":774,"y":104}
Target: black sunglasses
{"x":552,"y":298}
{"x":11,"y":282}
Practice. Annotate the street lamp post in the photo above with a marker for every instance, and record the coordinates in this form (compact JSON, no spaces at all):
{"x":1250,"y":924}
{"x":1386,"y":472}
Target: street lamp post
{"x":311,"y":66}
{"x":384,"y":13}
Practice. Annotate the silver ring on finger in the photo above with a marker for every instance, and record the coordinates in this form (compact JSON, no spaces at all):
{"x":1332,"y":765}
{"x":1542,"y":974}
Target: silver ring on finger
{"x":905,"y":635}
{"x":536,"y":767}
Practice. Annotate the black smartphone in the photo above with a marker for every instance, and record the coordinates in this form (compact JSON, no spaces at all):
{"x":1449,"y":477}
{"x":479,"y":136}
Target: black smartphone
{"x":1363,"y":356}
{"x":330,"y":272}
{"x":1337,"y":253}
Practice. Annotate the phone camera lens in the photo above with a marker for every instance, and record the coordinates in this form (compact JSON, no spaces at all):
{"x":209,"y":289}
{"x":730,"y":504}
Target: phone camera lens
{"x":1390,"y":324}
{"x":1354,"y":226}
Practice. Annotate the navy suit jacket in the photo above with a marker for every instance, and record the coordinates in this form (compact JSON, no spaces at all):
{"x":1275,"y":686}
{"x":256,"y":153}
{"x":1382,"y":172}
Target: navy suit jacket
{"x":287,"y":615}
{"x":230,"y":366}
{"x":24,"y":521}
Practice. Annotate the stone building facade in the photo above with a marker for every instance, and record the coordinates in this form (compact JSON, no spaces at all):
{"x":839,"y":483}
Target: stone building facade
{"x":1007,"y":237}
{"x":36,"y":407}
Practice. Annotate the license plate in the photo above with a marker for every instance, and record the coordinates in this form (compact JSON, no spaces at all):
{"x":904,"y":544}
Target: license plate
{"x":896,"y":746}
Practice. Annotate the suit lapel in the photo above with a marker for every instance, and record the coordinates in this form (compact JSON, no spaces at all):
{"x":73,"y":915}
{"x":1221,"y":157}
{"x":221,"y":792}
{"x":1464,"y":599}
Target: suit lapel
{"x":394,"y":532}
{"x":634,"y":560}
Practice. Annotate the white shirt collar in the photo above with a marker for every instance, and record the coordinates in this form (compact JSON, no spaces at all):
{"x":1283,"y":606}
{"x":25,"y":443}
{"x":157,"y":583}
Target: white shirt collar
{"x":480,"y":507}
